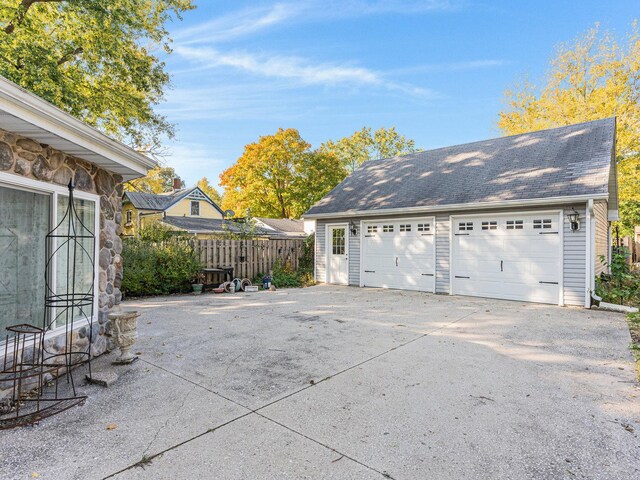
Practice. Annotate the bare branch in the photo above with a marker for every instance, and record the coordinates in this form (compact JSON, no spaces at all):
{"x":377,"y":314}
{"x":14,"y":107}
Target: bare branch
{"x":21,"y":12}
{"x":70,"y":56}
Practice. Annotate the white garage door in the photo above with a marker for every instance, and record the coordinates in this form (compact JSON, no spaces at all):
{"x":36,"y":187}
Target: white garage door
{"x":515,"y":257}
{"x":399,"y":254}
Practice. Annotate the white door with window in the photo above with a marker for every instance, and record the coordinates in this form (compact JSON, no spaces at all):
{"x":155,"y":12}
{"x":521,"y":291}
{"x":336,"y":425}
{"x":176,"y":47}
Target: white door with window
{"x":513,"y":257}
{"x":399,"y":254}
{"x":337,"y":254}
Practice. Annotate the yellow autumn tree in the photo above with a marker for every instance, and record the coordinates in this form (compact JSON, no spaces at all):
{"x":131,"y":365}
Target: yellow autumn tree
{"x":590,"y":78}
{"x":279,"y":176}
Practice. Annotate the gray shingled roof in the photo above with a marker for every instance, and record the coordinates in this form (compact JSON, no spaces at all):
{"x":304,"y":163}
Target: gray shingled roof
{"x":283,"y":225}
{"x":560,"y":162}
{"x":152,"y":201}
{"x":206,"y":225}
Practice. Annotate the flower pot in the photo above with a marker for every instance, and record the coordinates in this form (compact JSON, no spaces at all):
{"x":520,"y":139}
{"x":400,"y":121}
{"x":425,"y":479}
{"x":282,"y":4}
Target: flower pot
{"x":197,"y":287}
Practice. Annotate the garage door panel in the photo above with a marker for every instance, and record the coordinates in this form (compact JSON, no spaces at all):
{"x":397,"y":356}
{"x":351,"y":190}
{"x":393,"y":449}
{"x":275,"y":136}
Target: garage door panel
{"x":507,"y":262}
{"x":403,"y":258}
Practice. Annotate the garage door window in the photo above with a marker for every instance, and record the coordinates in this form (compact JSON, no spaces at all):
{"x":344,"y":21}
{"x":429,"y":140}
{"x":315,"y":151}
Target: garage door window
{"x":372,"y":229}
{"x":490,"y":225}
{"x":542,"y":223}
{"x":424,"y":227}
{"x":515,"y":224}
{"x":387,"y":228}
{"x":465,"y":226}
{"x":405,"y":228}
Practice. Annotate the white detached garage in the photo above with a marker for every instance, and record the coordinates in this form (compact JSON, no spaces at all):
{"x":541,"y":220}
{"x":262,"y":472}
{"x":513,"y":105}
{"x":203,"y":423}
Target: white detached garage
{"x":518,"y":218}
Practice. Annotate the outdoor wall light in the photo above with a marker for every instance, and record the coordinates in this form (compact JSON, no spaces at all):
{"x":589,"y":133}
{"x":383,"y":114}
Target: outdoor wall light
{"x":353,"y":227}
{"x":573,"y":217}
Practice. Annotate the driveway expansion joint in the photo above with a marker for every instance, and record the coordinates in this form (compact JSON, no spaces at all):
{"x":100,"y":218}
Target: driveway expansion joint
{"x":255,"y":411}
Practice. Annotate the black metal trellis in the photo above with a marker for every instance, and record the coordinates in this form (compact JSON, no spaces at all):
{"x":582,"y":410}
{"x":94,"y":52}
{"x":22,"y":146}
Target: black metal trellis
{"x":29,"y":364}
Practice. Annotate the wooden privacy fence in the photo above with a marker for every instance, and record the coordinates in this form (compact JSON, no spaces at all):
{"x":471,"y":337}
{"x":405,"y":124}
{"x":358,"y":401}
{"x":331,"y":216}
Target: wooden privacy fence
{"x":249,"y":257}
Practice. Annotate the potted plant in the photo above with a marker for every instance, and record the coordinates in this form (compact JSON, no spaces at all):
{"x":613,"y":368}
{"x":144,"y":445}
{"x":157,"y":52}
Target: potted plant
{"x":198,"y":282}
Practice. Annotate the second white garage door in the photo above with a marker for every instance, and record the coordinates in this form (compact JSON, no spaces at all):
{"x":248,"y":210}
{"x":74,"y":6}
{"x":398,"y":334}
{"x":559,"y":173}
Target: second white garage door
{"x":515,"y":257}
{"x":399,"y":254}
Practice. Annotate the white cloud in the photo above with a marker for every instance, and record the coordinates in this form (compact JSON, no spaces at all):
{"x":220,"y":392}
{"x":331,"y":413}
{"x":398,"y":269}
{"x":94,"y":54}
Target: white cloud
{"x":237,"y":24}
{"x":297,"y":69}
{"x":251,"y":20}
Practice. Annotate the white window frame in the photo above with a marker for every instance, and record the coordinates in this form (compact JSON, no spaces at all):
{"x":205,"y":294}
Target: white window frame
{"x":192,"y":202}
{"x":129,"y":217}
{"x":54,"y":191}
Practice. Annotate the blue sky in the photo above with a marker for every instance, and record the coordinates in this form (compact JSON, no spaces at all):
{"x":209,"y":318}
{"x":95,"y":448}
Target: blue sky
{"x":434,"y":69}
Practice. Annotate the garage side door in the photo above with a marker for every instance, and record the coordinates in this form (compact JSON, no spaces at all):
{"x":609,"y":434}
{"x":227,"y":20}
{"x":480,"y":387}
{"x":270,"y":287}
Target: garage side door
{"x":399,"y":254}
{"x":515,"y":257}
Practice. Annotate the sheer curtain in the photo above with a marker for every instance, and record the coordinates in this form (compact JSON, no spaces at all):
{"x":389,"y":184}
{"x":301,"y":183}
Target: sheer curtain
{"x":75,"y":271}
{"x":24,"y":223}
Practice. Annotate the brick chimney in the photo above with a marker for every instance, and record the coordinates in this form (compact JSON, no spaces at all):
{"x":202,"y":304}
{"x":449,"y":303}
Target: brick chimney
{"x":177,"y":184}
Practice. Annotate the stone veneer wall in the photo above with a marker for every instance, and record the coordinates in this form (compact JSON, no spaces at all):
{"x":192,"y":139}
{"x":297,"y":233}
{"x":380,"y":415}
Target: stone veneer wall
{"x":27,"y":158}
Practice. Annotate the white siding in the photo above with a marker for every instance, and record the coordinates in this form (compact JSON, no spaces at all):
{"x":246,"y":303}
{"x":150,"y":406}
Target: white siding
{"x":354,"y":257}
{"x":574,"y":252}
{"x":442,"y":253}
{"x":321,"y":258}
{"x":602,"y":236}
{"x":575,"y":263}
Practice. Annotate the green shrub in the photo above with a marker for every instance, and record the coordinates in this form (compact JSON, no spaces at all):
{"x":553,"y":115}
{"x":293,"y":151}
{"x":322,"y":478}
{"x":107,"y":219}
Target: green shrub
{"x":159,"y":264}
{"x":622,"y":285}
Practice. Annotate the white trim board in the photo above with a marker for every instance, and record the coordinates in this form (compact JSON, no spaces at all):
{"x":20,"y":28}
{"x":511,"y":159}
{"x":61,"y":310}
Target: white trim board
{"x":526,"y":203}
{"x":40,"y":120}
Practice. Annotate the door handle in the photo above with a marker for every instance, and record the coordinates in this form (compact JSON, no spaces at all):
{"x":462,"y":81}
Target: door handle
{"x":396,"y":261}
{"x":501,"y":264}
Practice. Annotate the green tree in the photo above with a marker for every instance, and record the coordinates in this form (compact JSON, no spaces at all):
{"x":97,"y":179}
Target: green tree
{"x":594,"y":77}
{"x":279,"y":176}
{"x":210,"y":190}
{"x":364,"y":145}
{"x":158,"y":180}
{"x":98,"y":60}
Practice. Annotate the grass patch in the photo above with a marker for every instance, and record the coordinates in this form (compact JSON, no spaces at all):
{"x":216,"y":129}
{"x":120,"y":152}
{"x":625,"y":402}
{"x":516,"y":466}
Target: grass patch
{"x":634,"y":329}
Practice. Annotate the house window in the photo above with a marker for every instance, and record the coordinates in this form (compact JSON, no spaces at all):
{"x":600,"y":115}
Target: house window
{"x":338,"y":241}
{"x":405,"y":228}
{"x":372,"y":229}
{"x":387,"y":228}
{"x":424,"y":227}
{"x":129,"y":216}
{"x":490,"y":225}
{"x":515,"y":224}
{"x":465,"y":226}
{"x":542,"y":223}
{"x":195,"y":208}
{"x":25,"y":221}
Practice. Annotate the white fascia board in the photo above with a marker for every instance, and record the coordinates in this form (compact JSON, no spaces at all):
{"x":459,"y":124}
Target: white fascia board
{"x":460,"y":207}
{"x":32,"y":109}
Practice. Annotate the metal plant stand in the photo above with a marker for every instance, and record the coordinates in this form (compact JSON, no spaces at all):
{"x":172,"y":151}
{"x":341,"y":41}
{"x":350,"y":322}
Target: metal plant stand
{"x":34,"y":369}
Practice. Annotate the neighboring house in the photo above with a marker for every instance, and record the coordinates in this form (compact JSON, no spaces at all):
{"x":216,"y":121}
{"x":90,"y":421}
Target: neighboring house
{"x":489,"y":218}
{"x":41,"y":149}
{"x":281,"y":227}
{"x":207,"y":228}
{"x":140,"y":209}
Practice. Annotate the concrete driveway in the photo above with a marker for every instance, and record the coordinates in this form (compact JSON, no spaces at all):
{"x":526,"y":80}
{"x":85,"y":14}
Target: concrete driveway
{"x":341,"y":383}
